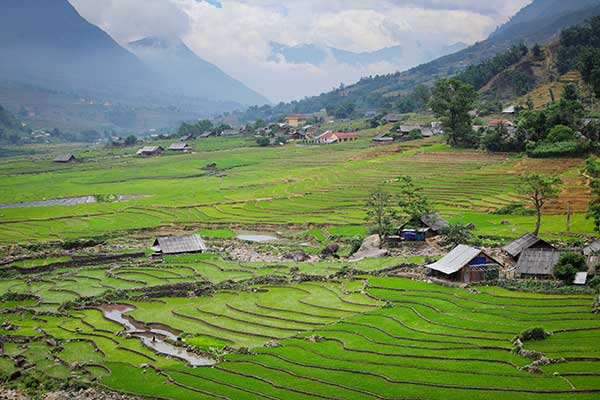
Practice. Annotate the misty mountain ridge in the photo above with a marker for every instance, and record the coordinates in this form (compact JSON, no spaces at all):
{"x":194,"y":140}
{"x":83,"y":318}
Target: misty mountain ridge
{"x":48,"y":47}
{"x":540,"y":22}
{"x":174,"y":62}
{"x":318,"y":55}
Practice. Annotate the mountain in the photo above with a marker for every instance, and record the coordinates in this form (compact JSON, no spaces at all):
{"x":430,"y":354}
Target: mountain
{"x":539,"y":22}
{"x":186,"y":73}
{"x":318,"y":55}
{"x":72,"y":75}
{"x":49,"y":43}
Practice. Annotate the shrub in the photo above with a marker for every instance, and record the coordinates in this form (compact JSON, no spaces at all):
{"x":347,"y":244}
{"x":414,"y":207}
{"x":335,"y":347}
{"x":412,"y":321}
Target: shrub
{"x":576,"y":260}
{"x":533,"y":334}
{"x":566,"y":148}
{"x":355,"y":242}
{"x":263,"y":141}
{"x":455,"y":234}
{"x":514,"y":208}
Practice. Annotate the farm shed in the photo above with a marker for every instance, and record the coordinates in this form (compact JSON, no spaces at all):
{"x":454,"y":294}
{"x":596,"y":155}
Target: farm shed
{"x":382,"y":139}
{"x":537,"y":263}
{"x":392,"y":118}
{"x":592,"y":254}
{"x":179,"y":244}
{"x":580,"y":278}
{"x":430,"y":225}
{"x":65,"y":158}
{"x":330,"y":137}
{"x":406,"y":129}
{"x":527,"y":241}
{"x":150,"y":151}
{"x":465,"y":264}
{"x":180,"y":147}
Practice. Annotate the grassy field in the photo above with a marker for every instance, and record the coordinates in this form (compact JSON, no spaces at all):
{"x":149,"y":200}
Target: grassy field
{"x":281,"y":187}
{"x":328,"y":340}
{"x":278,"y":330}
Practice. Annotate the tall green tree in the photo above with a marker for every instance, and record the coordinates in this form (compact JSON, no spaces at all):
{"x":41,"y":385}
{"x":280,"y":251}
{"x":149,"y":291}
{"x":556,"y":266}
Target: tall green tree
{"x":538,"y":189}
{"x":593,"y":171}
{"x":451,"y":102}
{"x":381,"y":213}
{"x":412,"y":202}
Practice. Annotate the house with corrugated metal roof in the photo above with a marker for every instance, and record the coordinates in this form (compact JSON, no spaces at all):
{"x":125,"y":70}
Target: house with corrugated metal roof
{"x":180,"y":147}
{"x":465,"y":264}
{"x":537,"y":263}
{"x":150,"y":151}
{"x":527,"y":241}
{"x":429,"y":225}
{"x":179,"y":244}
{"x":592,"y":255}
{"x":65,"y":158}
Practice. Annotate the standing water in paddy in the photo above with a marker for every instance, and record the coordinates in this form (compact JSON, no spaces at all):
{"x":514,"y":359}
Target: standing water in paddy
{"x":152,"y":338}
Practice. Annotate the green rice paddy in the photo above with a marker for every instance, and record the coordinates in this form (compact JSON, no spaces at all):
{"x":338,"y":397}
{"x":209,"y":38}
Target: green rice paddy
{"x":280,"y":330}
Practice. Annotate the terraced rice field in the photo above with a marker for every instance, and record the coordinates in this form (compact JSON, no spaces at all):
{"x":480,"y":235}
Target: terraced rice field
{"x":381,"y":338}
{"x":324,"y":185}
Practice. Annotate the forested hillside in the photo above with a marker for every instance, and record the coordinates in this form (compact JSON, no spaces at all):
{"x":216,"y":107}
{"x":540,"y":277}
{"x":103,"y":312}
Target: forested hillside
{"x":539,"y":23}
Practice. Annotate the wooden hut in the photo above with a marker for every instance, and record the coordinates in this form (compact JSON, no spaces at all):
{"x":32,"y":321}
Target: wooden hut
{"x":527,"y":241}
{"x":179,"y":244}
{"x":65,"y":158}
{"x":537,"y":263}
{"x":465,"y":264}
{"x":430,"y":225}
{"x":592,"y":255}
{"x":150,"y":151}
{"x":180,"y":148}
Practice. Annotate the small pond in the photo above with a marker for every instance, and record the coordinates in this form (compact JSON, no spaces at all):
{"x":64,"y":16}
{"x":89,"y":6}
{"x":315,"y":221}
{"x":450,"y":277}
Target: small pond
{"x":72,"y":201}
{"x":257,"y":238}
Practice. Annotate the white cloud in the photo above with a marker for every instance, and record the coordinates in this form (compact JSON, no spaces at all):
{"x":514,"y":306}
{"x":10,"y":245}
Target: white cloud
{"x":235,"y":34}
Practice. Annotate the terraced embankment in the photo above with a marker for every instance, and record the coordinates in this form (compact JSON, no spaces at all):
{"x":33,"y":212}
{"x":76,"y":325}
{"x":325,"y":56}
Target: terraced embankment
{"x":332,"y":340}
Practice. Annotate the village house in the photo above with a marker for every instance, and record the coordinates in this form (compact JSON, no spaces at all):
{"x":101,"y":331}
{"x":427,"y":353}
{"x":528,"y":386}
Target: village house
{"x":493,"y":123}
{"x":406,"y":129}
{"x":205,"y":135}
{"x":330,"y":137}
{"x":465,"y":264}
{"x":510,"y":110}
{"x":65,"y":158}
{"x":537,"y":263}
{"x":296,"y":120}
{"x":592,"y":255}
{"x":230,"y":132}
{"x":180,"y":147}
{"x":430,"y":225}
{"x":527,"y":241}
{"x":383,"y":139}
{"x":150,"y":151}
{"x":392,"y":118}
{"x":179,"y":244}
{"x":187,"y":138}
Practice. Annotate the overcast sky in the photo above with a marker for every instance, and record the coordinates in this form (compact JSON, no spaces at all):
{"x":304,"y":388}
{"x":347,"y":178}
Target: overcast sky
{"x":235,"y":34}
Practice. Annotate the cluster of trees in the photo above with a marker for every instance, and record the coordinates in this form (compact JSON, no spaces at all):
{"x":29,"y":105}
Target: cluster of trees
{"x":593,"y":171}
{"x":200,"y":127}
{"x":411,"y":204}
{"x":580,"y":49}
{"x":479,"y":75}
{"x":555,"y":131}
